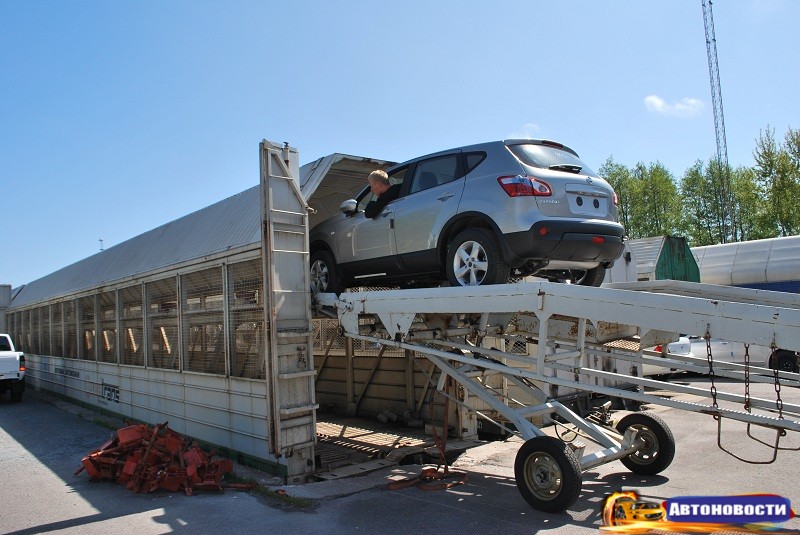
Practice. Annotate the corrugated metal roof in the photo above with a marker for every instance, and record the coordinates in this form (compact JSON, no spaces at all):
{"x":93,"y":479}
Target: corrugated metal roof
{"x":646,"y":251}
{"x":228,"y":224}
{"x":750,"y":262}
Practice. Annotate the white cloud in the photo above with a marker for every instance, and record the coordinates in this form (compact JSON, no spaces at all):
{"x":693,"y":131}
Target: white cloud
{"x":528,"y":130}
{"x":686,"y":107}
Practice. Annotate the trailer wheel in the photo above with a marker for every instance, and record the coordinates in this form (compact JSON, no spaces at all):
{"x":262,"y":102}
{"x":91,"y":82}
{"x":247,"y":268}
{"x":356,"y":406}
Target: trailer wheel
{"x":324,"y":273}
{"x":548,"y":474}
{"x":659,"y":444}
{"x":474,"y":258}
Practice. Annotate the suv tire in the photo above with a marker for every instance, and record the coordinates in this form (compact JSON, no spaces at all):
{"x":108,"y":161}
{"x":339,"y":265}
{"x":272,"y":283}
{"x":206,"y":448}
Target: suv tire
{"x":474,"y":259}
{"x":324,"y":273}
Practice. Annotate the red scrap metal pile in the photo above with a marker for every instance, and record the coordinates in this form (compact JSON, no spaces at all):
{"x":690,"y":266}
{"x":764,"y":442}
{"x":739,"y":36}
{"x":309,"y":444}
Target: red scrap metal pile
{"x":145,"y":459}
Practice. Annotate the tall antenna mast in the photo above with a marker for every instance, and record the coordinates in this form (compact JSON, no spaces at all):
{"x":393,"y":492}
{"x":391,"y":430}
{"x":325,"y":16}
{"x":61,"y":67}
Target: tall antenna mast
{"x":727,"y":217}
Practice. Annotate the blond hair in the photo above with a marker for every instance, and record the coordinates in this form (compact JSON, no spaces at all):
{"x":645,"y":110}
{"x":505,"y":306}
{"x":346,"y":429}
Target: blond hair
{"x":379,"y":177}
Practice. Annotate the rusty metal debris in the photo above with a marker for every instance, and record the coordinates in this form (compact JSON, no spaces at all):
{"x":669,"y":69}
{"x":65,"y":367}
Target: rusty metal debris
{"x":144,"y":458}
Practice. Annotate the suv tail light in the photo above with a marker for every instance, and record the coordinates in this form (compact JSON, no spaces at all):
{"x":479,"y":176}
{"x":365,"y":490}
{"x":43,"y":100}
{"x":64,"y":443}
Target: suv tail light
{"x":524,"y":186}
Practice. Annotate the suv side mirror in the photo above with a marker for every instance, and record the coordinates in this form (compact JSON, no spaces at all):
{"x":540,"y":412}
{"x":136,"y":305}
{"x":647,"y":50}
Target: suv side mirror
{"x":349,"y":206}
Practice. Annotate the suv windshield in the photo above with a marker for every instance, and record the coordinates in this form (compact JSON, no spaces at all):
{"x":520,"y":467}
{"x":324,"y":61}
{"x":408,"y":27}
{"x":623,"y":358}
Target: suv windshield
{"x":547,"y":156}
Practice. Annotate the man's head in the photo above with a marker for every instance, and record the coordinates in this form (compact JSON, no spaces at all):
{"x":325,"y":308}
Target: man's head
{"x":378,"y":182}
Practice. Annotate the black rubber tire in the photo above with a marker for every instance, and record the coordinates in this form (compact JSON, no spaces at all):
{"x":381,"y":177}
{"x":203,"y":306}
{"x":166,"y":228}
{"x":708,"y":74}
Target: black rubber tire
{"x":659,"y":449}
{"x":480,"y":246}
{"x":17,"y":389}
{"x":787,"y":361}
{"x":548,"y":474}
{"x":324,"y":273}
{"x":591,"y":277}
{"x":579,"y":277}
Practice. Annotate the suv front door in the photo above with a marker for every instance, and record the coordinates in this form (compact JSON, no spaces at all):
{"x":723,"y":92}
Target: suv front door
{"x":367,"y":246}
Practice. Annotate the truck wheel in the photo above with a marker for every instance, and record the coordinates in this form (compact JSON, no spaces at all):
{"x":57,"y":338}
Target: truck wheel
{"x":474,"y":259}
{"x":324,"y":273}
{"x":16,"y":391}
{"x":658,"y":450}
{"x":548,"y":474}
{"x":787,"y":361}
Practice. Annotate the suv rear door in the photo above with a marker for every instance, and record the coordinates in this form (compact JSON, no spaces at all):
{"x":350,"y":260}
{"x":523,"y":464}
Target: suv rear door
{"x":432,"y":199}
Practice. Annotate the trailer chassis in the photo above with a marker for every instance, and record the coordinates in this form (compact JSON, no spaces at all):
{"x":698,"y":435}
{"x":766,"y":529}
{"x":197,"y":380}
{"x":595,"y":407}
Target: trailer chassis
{"x":574,"y":328}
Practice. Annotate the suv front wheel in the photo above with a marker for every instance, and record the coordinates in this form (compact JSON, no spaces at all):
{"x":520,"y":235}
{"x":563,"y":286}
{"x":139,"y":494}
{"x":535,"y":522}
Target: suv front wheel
{"x":324,"y":273}
{"x":474,"y":258}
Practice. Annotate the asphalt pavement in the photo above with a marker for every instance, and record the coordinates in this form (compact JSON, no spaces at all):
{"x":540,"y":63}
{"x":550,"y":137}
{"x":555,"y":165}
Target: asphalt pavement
{"x":42,"y":441}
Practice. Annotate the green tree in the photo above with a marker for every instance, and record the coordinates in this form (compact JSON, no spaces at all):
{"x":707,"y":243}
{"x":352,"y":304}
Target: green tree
{"x":620,"y":178}
{"x":778,"y":171}
{"x":656,"y":209}
{"x":695,"y":223}
{"x":752,"y":217}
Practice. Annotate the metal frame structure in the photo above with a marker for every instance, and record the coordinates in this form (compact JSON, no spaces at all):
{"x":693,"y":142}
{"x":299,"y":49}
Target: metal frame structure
{"x":575,"y":328}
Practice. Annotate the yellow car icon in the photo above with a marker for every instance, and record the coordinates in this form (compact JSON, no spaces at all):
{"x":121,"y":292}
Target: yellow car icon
{"x":629,"y":510}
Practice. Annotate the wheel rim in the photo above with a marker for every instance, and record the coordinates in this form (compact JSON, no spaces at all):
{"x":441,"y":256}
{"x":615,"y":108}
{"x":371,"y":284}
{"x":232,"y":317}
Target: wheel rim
{"x":785,"y":364}
{"x":470,"y":264}
{"x":649,"y":450}
{"x":543,"y":476}
{"x":319,"y":276}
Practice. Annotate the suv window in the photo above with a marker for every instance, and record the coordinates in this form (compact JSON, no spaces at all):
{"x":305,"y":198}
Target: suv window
{"x":548,"y":156}
{"x":473,"y":159}
{"x":366,"y":196}
{"x":434,"y":172}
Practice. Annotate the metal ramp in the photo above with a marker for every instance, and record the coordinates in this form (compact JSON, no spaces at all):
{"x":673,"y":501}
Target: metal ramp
{"x":575,"y":328}
{"x":290,"y":365}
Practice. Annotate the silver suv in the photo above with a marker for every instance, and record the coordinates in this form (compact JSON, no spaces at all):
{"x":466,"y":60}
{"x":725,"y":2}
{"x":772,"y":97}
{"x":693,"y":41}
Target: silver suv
{"x":474,"y":215}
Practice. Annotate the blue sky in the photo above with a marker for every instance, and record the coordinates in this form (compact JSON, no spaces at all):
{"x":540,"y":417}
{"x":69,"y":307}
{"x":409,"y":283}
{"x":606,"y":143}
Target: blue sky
{"x":117,"y":117}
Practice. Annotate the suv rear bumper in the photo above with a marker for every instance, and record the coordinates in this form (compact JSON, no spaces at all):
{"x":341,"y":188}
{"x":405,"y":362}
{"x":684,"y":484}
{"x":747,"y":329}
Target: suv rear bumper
{"x":570,"y":241}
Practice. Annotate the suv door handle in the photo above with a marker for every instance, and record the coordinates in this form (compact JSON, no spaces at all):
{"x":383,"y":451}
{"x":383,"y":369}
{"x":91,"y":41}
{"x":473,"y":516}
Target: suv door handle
{"x":445,"y":196}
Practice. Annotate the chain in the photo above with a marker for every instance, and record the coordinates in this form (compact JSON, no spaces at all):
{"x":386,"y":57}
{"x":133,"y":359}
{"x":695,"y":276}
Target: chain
{"x":747,"y":377}
{"x":778,"y":400}
{"x":711,"y":369}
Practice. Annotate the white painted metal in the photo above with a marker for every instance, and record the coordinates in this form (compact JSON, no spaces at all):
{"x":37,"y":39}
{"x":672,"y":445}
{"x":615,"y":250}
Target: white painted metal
{"x":287,"y":310}
{"x":572,"y":325}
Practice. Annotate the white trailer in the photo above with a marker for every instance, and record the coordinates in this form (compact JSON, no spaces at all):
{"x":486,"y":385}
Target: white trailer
{"x":575,"y":328}
{"x":770,"y":264}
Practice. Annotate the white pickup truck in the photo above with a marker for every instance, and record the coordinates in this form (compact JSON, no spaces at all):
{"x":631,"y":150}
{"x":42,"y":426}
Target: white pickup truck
{"x":12,"y":369}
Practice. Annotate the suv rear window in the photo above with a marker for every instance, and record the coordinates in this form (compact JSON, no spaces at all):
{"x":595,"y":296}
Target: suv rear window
{"x":547,"y":156}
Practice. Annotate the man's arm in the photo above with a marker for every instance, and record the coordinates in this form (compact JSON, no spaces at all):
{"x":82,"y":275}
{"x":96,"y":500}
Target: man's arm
{"x":374,"y":208}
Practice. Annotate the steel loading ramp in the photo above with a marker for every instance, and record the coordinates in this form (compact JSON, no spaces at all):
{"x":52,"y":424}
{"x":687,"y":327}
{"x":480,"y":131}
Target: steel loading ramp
{"x":573,"y":326}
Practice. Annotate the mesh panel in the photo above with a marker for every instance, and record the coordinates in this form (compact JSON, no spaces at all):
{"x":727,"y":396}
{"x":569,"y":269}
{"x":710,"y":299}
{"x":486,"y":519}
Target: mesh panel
{"x":326,"y":333}
{"x":162,"y":319}
{"x":24,"y":341}
{"x":35,"y":331}
{"x":203,"y":327}
{"x":132,"y":334}
{"x":44,"y":343}
{"x":86,"y":317}
{"x":518,"y":347}
{"x":11,"y":326}
{"x":245,"y":297}
{"x":71,"y":330}
{"x":58,"y":330}
{"x":108,"y":327}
